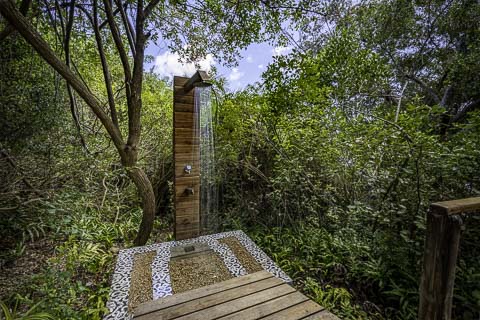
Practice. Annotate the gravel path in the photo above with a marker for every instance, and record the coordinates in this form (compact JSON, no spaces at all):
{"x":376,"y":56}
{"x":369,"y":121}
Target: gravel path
{"x":141,"y":281}
{"x":245,"y":258}
{"x":197,"y":271}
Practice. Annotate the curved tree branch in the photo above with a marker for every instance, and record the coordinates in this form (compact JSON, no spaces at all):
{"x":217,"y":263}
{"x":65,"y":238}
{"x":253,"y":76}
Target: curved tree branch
{"x":117,"y":39}
{"x":103,"y":60}
{"x":134,"y":107}
{"x":425,"y":87}
{"x":150,"y":7}
{"x":20,"y":23}
{"x":127,"y":26}
{"x":462,"y":112}
{"x":9,"y":29}
{"x":66,"y":48}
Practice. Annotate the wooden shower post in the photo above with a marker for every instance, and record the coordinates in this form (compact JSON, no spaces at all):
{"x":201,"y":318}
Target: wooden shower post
{"x":444,"y":225}
{"x":186,"y":152}
{"x":186,"y":155}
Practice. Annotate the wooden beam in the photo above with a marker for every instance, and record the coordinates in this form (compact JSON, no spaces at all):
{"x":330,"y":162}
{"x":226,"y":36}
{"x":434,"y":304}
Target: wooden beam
{"x":444,"y":226}
{"x":186,"y":151}
{"x":175,"y":300}
{"x":470,"y":205}
{"x":199,"y":78}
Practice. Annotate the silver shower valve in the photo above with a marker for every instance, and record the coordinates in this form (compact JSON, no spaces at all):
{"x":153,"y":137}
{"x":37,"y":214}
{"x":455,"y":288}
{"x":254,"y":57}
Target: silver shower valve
{"x":187,"y":169}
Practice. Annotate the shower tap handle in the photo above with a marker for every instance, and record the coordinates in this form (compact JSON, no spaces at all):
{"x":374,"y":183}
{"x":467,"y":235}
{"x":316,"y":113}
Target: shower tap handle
{"x":187,"y":169}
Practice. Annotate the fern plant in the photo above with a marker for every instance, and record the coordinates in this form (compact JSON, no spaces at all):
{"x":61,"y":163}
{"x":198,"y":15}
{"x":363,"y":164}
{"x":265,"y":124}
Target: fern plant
{"x":30,"y":314}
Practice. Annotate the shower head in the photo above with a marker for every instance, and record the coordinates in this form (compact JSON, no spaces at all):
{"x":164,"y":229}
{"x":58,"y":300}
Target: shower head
{"x":199,"y":79}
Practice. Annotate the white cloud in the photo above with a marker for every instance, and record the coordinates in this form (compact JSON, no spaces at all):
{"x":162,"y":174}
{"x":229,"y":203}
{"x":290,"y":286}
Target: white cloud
{"x":249,"y":59}
{"x":260,"y":66}
{"x":235,"y":74}
{"x":278,"y":51}
{"x":168,"y":64}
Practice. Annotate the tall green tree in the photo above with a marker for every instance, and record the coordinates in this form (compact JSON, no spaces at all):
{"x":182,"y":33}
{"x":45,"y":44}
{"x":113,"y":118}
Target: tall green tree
{"x":192,"y":29}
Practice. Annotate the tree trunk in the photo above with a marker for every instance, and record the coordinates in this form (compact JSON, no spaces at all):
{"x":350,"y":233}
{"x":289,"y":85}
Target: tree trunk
{"x":145,"y":191}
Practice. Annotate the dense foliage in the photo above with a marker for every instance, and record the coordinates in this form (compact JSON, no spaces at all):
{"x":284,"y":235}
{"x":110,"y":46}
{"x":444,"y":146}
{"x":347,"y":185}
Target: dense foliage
{"x":329,"y":163}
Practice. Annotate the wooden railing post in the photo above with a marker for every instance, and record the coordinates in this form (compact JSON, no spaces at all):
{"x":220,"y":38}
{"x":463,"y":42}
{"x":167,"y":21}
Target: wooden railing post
{"x":444,"y":224}
{"x":440,"y":256}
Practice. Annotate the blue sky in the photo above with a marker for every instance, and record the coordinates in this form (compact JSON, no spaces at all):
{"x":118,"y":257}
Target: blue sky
{"x":251,"y":64}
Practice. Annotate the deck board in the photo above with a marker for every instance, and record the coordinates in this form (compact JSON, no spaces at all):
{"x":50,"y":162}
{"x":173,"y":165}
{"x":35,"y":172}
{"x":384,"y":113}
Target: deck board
{"x":254,"y":296}
{"x":298,"y":311}
{"x":267,"y":308}
{"x":200,"y":292}
{"x":223,"y":309}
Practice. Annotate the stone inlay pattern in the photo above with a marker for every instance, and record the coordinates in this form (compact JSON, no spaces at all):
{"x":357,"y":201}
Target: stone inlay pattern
{"x":118,"y":300}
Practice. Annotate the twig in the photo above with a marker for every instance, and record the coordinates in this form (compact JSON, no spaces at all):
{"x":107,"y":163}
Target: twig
{"x":11,"y":162}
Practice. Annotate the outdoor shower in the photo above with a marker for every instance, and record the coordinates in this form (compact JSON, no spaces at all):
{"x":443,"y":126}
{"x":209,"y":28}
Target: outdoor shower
{"x":193,"y":155}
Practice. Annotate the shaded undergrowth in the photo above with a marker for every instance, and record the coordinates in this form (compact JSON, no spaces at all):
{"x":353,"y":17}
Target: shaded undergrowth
{"x":64,"y":270}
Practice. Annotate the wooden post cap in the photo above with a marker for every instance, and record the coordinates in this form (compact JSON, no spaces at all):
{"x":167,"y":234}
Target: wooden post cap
{"x":470,"y":205}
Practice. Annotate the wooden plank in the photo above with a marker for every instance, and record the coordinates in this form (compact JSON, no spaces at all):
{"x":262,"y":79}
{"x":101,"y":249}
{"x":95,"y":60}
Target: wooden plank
{"x":180,"y":81}
{"x":181,"y":234}
{"x":188,"y":221}
{"x":184,"y":122}
{"x":184,"y":100}
{"x":183,"y":112}
{"x":182,"y":185}
{"x":187,"y":131}
{"x":180,"y":90}
{"x":187,"y":108}
{"x":198,"y":293}
{"x":184,"y":198}
{"x":186,"y":227}
{"x":322,"y":315}
{"x":186,"y":149}
{"x":183,"y":148}
{"x":267,"y":308}
{"x":298,"y":311}
{"x":184,"y":158}
{"x":180,"y":188}
{"x":187,"y":140}
{"x":190,"y":214}
{"x":471,"y":205}
{"x":183,"y":205}
{"x":246,"y":297}
{"x":181,"y":212}
{"x":226,"y":302}
{"x":185,"y":134}
{"x":184,"y":115}
{"x":186,"y":234}
{"x":198,"y":77}
{"x":188,"y":180}
{"x":439,"y":262}
{"x":188,"y":158}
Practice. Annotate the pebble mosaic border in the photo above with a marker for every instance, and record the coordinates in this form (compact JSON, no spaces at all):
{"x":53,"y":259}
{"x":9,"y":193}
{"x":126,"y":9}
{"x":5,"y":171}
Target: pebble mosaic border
{"x":118,"y":300}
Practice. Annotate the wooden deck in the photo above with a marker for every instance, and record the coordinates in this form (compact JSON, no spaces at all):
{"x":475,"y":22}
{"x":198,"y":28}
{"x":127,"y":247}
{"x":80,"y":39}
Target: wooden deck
{"x":254,"y":296}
